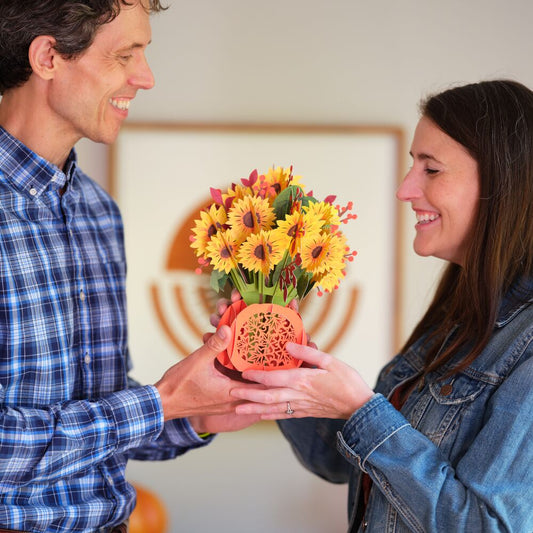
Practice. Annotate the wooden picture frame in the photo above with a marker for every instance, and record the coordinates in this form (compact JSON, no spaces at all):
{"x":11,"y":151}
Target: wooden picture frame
{"x":160,"y":175}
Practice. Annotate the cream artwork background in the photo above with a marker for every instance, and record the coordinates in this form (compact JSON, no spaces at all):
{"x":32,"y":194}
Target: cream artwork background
{"x":160,"y":196}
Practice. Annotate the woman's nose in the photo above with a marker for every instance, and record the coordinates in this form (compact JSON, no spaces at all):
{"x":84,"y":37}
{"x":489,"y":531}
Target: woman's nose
{"x":410,"y":188}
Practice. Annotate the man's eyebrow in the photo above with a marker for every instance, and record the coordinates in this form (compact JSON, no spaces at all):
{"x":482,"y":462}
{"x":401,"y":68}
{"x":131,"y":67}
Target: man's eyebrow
{"x":134,"y":46}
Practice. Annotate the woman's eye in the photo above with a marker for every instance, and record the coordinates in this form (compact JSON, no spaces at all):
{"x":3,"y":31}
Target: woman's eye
{"x":431,"y":171}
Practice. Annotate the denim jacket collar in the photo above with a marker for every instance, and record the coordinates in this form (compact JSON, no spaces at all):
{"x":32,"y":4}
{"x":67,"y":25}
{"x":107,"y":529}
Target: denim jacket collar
{"x":517,"y":299}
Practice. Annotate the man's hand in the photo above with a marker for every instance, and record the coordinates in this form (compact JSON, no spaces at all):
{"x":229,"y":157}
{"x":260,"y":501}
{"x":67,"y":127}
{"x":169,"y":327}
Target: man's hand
{"x":193,"y":387}
{"x":222,"y":423}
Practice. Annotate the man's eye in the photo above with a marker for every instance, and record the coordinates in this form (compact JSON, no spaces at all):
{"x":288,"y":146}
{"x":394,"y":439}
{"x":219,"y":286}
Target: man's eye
{"x":431,"y":171}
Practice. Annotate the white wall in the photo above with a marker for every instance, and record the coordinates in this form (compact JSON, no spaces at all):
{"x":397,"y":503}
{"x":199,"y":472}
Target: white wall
{"x":307,"y":61}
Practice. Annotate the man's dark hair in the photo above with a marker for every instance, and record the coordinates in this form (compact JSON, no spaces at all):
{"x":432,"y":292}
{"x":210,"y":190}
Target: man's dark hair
{"x":72,"y":23}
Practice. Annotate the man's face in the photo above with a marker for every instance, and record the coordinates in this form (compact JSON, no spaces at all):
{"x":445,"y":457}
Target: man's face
{"x":91,"y":94}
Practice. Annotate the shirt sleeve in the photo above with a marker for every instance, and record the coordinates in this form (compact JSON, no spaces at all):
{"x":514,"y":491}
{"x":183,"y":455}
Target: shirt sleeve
{"x":176,"y":438}
{"x":489,"y":489}
{"x":45,"y":445}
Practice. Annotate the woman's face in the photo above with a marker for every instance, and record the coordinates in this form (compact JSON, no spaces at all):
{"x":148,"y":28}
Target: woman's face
{"x":443,"y":188}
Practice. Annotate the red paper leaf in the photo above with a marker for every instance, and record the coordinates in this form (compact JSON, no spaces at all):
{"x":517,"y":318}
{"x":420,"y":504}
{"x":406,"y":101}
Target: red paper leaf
{"x":216,"y":194}
{"x":252,"y":178}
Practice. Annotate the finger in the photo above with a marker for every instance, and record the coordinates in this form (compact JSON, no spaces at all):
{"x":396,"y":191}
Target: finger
{"x":221,"y":306}
{"x":309,"y":355}
{"x":262,"y":396}
{"x":282,"y":416}
{"x":214,"y":319}
{"x":275,"y":410}
{"x":218,"y":341}
{"x":235,"y":296}
{"x":272,"y":378}
{"x":311,"y":343}
{"x":206,"y":336}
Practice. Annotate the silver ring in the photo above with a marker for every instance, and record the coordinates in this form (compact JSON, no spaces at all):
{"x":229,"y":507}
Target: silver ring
{"x":289,"y":411}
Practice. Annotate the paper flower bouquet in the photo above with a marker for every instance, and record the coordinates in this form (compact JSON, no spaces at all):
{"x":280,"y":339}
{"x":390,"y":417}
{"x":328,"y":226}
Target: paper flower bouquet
{"x":273,"y":242}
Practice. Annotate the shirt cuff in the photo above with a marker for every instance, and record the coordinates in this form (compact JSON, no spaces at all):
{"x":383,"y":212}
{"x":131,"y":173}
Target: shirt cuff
{"x":138,"y":416}
{"x":180,"y":432}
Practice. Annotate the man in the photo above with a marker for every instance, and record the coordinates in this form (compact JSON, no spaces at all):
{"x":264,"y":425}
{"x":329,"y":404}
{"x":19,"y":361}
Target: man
{"x":70,"y":418}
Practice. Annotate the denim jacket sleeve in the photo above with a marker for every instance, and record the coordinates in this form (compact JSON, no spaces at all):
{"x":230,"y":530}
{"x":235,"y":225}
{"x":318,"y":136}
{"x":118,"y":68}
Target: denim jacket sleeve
{"x":485,"y":485}
{"x":313,"y":441}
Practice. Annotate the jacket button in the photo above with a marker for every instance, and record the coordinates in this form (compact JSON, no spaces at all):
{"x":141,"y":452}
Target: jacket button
{"x":446,"y":390}
{"x":365,"y":525}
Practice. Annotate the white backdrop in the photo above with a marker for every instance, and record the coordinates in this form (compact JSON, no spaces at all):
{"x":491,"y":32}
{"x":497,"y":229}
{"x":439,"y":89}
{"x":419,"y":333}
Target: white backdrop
{"x":306,"y":61}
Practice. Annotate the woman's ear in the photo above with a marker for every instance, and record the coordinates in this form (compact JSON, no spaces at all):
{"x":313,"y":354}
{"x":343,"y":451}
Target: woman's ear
{"x":42,"y":56}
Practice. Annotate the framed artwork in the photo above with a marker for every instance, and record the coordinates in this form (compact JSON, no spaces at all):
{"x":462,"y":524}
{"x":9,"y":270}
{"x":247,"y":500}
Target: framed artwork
{"x":161,"y":174}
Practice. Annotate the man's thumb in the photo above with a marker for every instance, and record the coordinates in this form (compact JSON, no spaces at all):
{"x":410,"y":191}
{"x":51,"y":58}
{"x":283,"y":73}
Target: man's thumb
{"x":220,"y":340}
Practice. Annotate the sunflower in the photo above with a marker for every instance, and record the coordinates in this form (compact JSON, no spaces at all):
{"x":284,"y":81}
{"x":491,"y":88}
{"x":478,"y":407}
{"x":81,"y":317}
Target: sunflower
{"x":260,"y":253}
{"x":210,"y":223}
{"x":250,"y":215}
{"x":235,"y":192}
{"x":266,"y":236}
{"x":330,"y":280}
{"x":338,"y":251}
{"x":325,"y":212}
{"x":274,"y":181}
{"x":221,"y":252}
{"x":293,"y":229}
{"x":320,"y":253}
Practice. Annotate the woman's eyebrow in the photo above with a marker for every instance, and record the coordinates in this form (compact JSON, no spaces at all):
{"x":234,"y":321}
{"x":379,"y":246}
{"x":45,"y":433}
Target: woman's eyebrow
{"x":423,"y":157}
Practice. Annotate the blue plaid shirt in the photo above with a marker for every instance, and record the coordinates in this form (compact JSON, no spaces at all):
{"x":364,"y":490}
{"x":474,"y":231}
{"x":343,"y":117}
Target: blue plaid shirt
{"x":70,"y":416}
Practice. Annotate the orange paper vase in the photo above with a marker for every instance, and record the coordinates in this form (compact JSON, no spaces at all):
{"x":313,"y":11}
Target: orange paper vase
{"x":260,"y":333}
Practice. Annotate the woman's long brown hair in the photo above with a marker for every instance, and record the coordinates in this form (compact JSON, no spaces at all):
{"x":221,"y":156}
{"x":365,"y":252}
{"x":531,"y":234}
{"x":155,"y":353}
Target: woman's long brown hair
{"x":493,"y":120}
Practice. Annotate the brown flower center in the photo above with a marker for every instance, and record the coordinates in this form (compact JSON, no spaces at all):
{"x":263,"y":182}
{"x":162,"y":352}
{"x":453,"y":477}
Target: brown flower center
{"x":248,"y":220}
{"x":225,"y":253}
{"x":316,"y":251}
{"x":259,"y":252}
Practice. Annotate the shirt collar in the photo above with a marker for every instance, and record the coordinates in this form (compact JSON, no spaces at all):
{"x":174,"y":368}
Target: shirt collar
{"x":29,"y":172}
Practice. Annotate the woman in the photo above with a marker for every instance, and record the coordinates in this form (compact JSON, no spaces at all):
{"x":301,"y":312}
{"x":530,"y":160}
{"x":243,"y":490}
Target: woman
{"x":444,"y":441}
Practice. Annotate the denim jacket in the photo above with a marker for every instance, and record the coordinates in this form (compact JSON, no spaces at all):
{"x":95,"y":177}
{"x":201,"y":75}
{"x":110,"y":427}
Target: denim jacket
{"x":459,"y":455}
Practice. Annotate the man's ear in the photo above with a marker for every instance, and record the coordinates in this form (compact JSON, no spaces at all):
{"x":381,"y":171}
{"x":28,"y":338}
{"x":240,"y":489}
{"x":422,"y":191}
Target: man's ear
{"x":42,"y":56}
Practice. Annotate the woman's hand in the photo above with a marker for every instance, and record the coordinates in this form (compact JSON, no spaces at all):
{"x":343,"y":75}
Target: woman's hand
{"x":326,"y":388}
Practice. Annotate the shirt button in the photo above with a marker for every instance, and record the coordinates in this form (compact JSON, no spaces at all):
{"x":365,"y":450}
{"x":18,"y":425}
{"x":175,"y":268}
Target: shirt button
{"x":87,"y":359}
{"x":33,"y":191}
{"x":82,"y":296}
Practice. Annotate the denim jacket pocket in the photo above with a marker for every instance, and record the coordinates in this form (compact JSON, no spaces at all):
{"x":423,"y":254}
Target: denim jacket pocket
{"x":449,"y":406}
{"x":457,"y":390}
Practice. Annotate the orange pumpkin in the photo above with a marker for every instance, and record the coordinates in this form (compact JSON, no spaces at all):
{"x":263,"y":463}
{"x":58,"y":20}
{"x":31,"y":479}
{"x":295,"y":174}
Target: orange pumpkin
{"x":149,"y":515}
